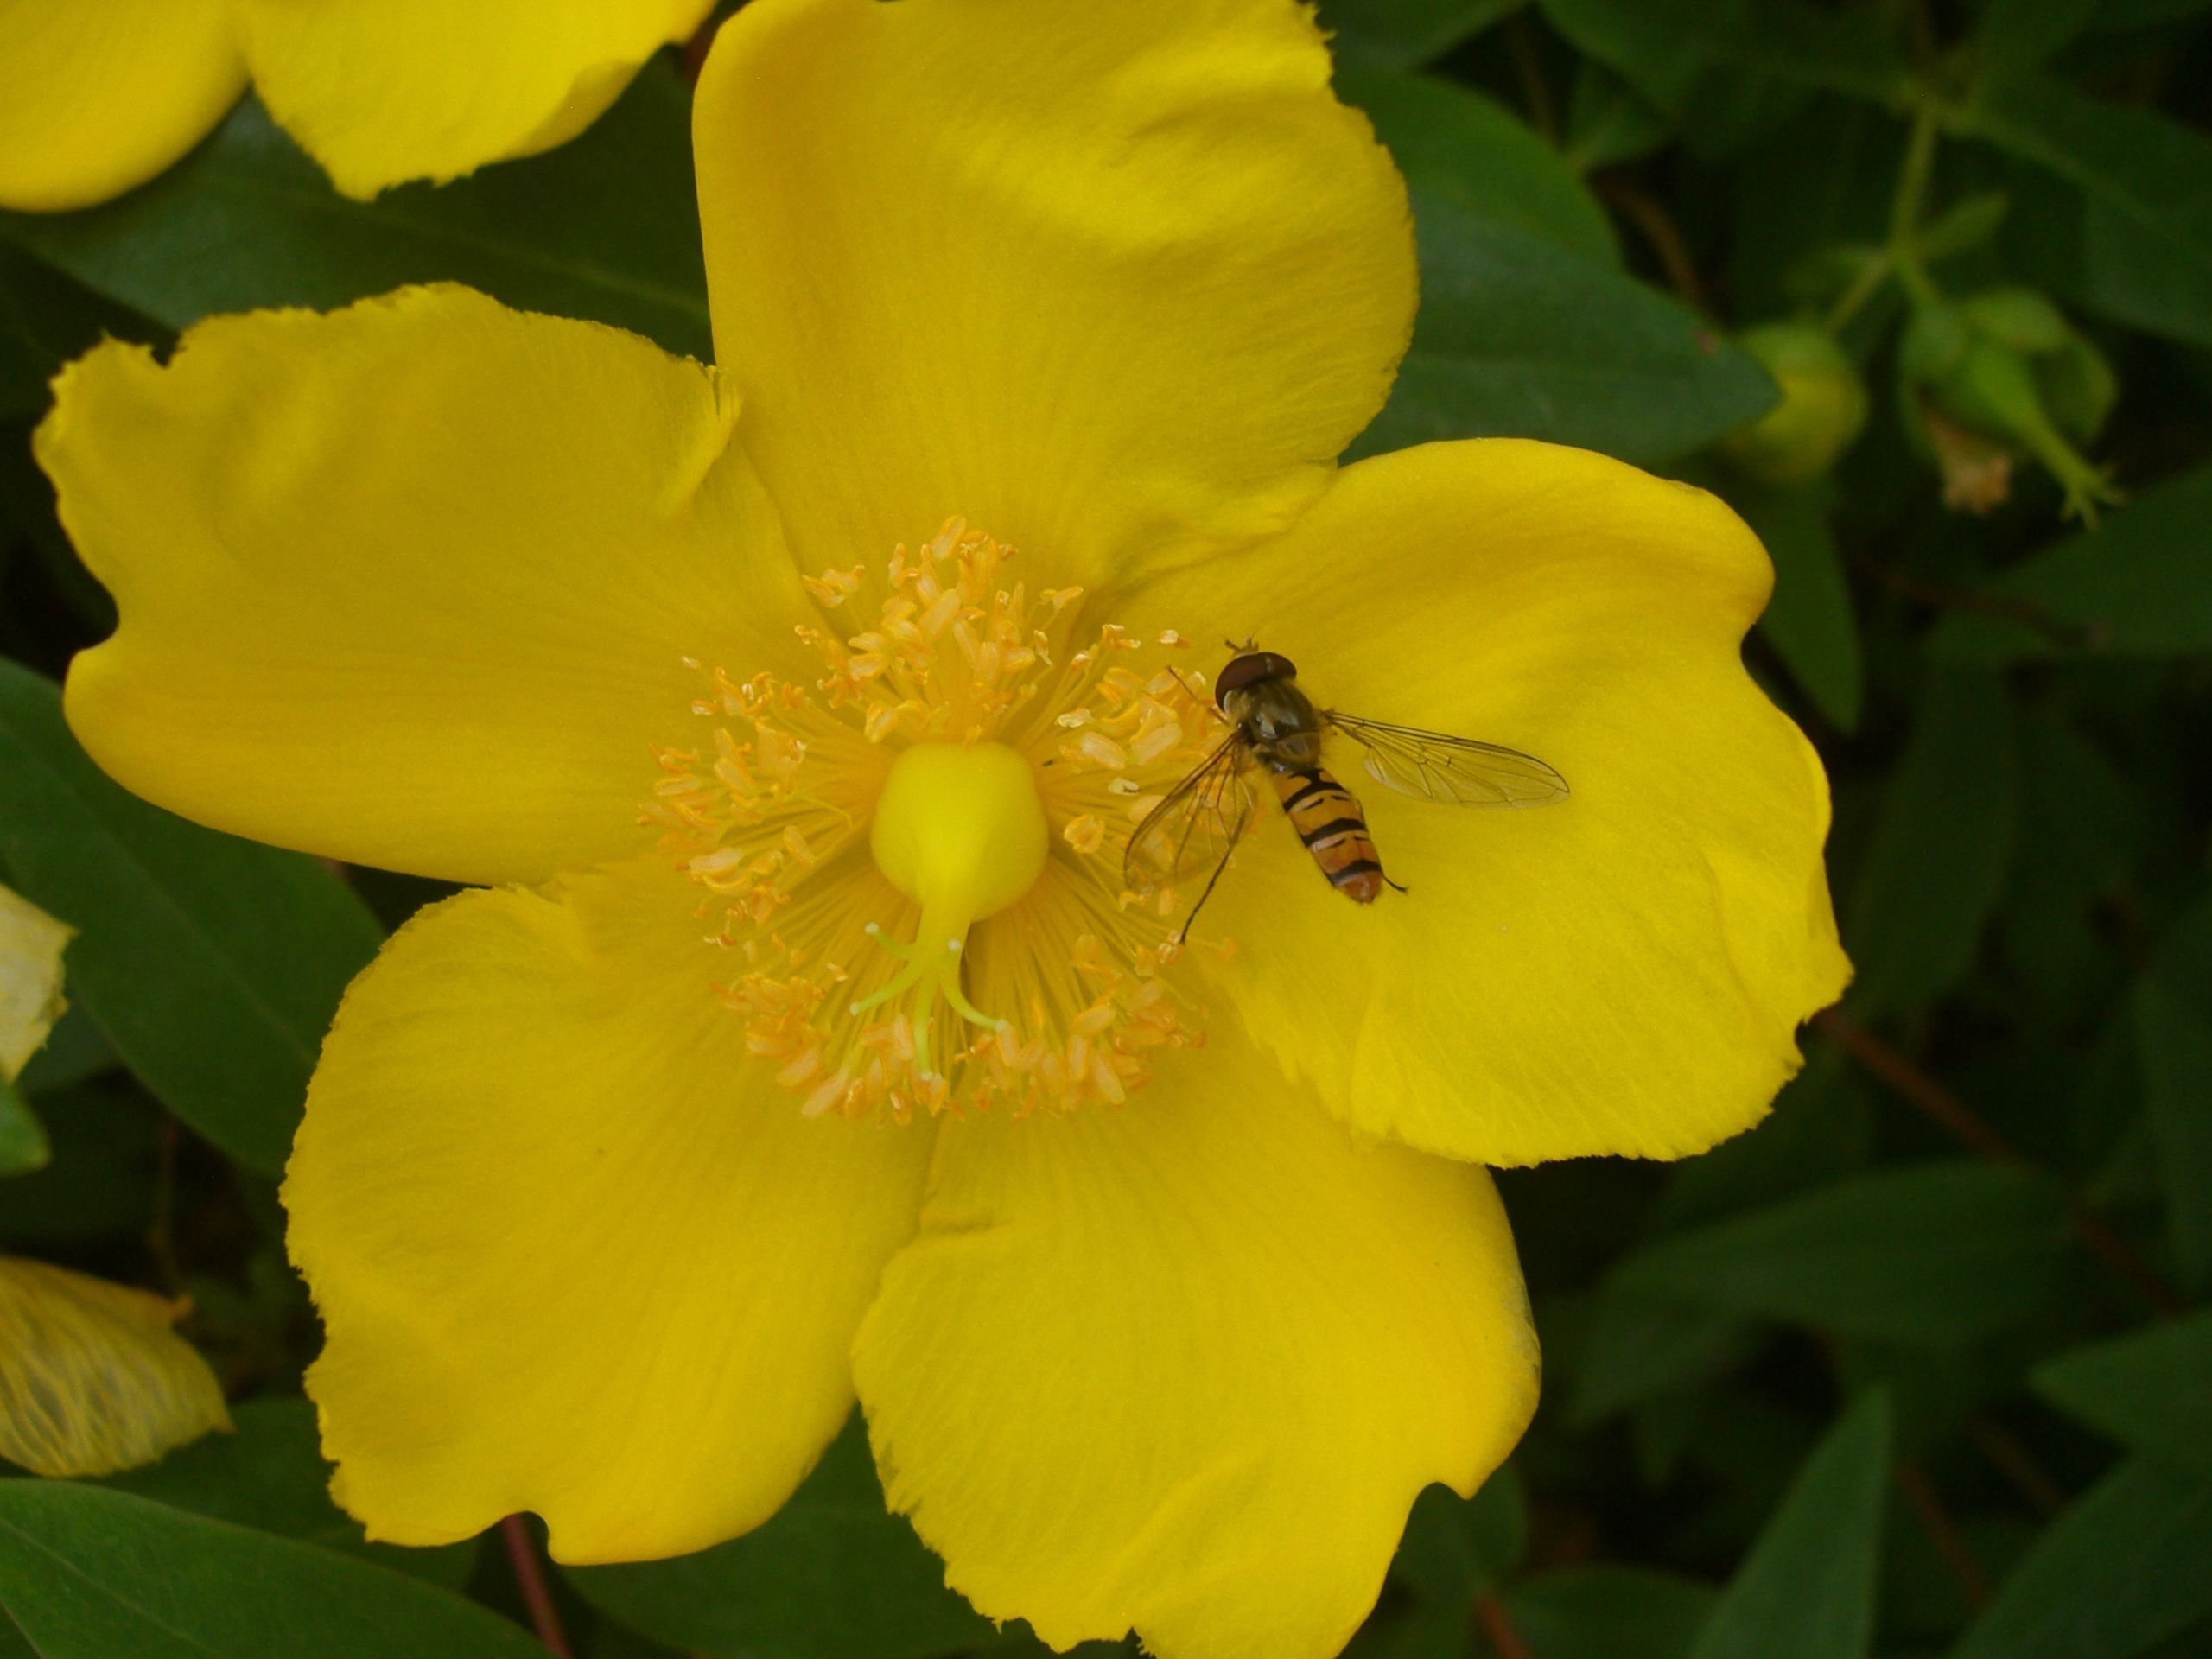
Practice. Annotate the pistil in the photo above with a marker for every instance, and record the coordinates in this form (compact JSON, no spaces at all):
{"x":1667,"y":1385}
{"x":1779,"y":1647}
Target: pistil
{"x":958,"y":828}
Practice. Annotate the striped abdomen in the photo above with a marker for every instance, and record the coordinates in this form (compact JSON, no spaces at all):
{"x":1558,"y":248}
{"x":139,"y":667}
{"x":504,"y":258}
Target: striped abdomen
{"x":1330,"y":821}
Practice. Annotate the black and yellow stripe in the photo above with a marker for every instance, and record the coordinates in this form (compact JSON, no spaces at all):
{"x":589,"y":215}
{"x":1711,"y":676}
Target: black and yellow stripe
{"x":1329,"y":820}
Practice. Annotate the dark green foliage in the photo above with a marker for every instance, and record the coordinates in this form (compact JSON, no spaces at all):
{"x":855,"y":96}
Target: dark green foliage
{"x":2173,"y":1037}
{"x":604,"y":227}
{"x":2147,"y":1389}
{"x":212,"y":965}
{"x":2120,"y":1570}
{"x":1919,"y":1366}
{"x":1939,"y":1252}
{"x":1809,"y":620}
{"x":1521,"y":337}
{"x":1609,"y":1613}
{"x":1807,"y":1588}
{"x":1937,"y":861}
{"x":2147,"y":182}
{"x":1406,"y":34}
{"x":2140,"y":587}
{"x":91,"y":1574}
{"x":271,"y":1475}
{"x":835,"y":1573}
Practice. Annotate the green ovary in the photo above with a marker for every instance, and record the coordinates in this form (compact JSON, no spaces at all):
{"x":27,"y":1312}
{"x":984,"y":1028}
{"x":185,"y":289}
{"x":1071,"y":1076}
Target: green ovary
{"x":961,"y":830}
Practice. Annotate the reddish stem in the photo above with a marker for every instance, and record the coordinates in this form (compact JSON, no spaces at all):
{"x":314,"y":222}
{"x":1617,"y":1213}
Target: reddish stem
{"x":537,"y":1594}
{"x":1943,"y":1532}
{"x":1659,"y":229}
{"x":1490,"y":1613}
{"x":2017,"y":1464}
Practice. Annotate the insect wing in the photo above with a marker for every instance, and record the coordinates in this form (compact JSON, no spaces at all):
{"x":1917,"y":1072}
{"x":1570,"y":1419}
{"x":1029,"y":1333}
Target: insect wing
{"x":1195,"y":826}
{"x":1457,"y":771}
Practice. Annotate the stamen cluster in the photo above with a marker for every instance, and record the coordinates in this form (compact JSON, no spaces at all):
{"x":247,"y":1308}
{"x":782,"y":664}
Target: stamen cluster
{"x":1055,"y":1002}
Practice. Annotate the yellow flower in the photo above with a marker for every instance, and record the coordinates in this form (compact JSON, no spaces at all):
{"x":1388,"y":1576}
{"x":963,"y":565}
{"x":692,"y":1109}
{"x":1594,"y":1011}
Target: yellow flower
{"x":91,"y":1377}
{"x":31,"y":944}
{"x":1166,"y":1279}
{"x":97,"y":98}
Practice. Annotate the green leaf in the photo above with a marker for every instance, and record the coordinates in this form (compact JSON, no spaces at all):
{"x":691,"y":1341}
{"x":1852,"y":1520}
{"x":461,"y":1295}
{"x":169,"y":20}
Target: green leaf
{"x":2090,"y":254}
{"x":1406,"y":34}
{"x":2150,"y":1390}
{"x":26,"y":516}
{"x":1937,"y":862}
{"x":1820,"y":1130}
{"x":2148,"y":180}
{"x":1809,"y":621}
{"x":23,"y":1143}
{"x":1519,"y":338}
{"x":2135,"y":279}
{"x":2173,"y":1047}
{"x":1963,"y":226}
{"x":1607,"y":121}
{"x":1938,"y":1253}
{"x":212,"y":965}
{"x":2081,"y":828}
{"x":2017,"y":33}
{"x":1464,"y":148}
{"x":835,"y":1576}
{"x":2121,"y":1570}
{"x":2147,"y":14}
{"x":106,"y":1140}
{"x":1457,"y":1548}
{"x":270,"y":1475}
{"x":1454,"y":1552}
{"x":1723,"y":69}
{"x":74,"y":1050}
{"x":1609,"y":1613}
{"x":89,"y":1573}
{"x":2139,"y":586}
{"x":606,"y":228}
{"x":1807,"y":1588}
{"x":46,"y":319}
{"x":1637,"y":1347}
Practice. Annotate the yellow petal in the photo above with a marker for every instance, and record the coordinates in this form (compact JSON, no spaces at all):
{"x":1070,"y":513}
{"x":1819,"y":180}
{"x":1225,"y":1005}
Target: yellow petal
{"x":575,"y":1251}
{"x":411,"y":584}
{"x":384,"y":91}
{"x":1620,"y":972}
{"x":96,"y":98}
{"x":31,"y":944}
{"x":92,"y":1378}
{"x":1109,"y":277}
{"x":1184,"y":1365}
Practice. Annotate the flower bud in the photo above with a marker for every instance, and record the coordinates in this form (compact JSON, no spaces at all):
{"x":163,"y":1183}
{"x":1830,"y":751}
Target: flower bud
{"x":1998,"y":376}
{"x":1823,"y":405}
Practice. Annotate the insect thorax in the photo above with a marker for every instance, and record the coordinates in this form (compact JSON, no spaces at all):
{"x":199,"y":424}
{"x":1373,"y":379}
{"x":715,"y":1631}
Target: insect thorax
{"x":1278,"y":720}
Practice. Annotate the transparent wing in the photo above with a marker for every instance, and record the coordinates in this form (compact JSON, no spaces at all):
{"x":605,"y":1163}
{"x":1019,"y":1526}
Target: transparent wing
{"x":1198,"y":823}
{"x":1457,"y":771}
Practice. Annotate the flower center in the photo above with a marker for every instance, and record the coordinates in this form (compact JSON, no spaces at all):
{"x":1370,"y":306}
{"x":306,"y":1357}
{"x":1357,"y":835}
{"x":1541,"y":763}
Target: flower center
{"x":916,"y":855}
{"x":961,"y":831}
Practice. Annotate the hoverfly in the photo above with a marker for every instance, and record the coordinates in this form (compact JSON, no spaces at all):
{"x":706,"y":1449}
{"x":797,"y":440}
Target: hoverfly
{"x":1275,"y":729}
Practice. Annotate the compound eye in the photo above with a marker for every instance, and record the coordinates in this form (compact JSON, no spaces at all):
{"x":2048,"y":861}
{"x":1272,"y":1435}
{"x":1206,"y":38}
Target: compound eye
{"x":1249,"y":669}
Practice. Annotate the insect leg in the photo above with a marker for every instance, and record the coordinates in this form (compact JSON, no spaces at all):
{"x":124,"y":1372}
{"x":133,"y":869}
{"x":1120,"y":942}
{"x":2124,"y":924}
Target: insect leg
{"x":1183,"y":933}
